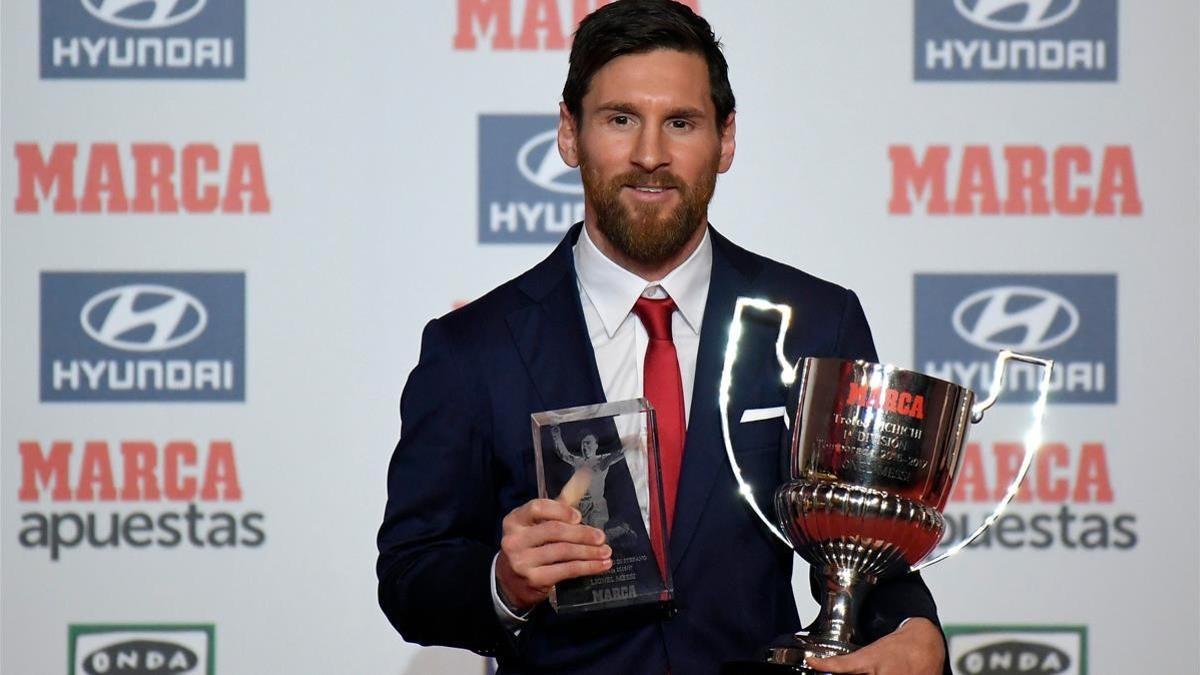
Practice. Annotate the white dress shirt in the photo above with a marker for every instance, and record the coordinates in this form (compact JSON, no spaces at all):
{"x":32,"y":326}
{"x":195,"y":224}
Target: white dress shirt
{"x":607,"y":293}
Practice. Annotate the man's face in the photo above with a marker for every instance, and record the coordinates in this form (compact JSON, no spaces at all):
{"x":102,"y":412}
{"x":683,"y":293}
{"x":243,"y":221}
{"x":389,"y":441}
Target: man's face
{"x":588,"y":445}
{"x":649,"y":148}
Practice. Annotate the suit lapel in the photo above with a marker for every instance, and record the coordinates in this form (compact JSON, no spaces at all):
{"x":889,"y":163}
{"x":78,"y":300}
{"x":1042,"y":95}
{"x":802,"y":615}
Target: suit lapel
{"x":551,"y":335}
{"x":704,"y":452}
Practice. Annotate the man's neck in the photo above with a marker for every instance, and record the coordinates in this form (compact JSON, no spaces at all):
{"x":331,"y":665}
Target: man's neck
{"x":649,"y":272}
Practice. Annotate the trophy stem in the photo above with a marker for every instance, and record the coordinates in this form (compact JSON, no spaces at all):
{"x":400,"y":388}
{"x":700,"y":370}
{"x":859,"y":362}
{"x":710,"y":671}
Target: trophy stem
{"x":832,"y":632}
{"x":844,"y":587}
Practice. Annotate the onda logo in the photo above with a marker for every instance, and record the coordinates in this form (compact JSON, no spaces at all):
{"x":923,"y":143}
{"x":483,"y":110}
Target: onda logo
{"x":143,"y":318}
{"x":143,"y":14}
{"x":154,"y":649}
{"x":1012,"y":657}
{"x":1021,"y":318}
{"x":1016,"y":15}
{"x":539,"y":162}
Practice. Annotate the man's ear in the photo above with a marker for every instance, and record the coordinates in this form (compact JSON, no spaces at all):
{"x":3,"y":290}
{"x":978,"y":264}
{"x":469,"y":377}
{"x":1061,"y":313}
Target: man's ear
{"x":568,"y":137}
{"x":728,"y":142}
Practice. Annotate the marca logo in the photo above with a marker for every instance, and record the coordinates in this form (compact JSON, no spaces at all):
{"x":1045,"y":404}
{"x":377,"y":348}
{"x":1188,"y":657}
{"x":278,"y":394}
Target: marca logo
{"x":166,"y":495}
{"x":141,"y":336}
{"x":1015,"y":40}
{"x":204,"y":184}
{"x":526,"y":193}
{"x":489,"y":23}
{"x":136,"y":39}
{"x":1032,"y":180}
{"x":1066,"y":502}
{"x":962,"y":320}
{"x":1044,"y":319}
{"x":151,"y":649}
{"x":1018,"y":650}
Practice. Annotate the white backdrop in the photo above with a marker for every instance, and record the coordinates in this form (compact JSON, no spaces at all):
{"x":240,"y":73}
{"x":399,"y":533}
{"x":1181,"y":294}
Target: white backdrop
{"x":378,"y":139}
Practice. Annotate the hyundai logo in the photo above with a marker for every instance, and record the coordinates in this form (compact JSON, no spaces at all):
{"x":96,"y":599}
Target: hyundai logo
{"x":144,"y":14}
{"x":1016,"y":15}
{"x":539,"y":161}
{"x":143,"y":318}
{"x":1021,"y":318}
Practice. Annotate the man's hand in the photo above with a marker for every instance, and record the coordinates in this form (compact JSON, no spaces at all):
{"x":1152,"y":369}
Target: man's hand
{"x":543,"y":544}
{"x":915,"y":648}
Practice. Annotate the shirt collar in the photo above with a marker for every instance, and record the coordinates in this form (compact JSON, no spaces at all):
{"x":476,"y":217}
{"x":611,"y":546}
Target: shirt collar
{"x":613,"y":289}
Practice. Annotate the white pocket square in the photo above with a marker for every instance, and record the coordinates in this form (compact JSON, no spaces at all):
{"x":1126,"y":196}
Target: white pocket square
{"x":760,"y":414}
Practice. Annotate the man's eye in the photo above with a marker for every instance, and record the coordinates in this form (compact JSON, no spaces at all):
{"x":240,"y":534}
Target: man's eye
{"x":680,"y":124}
{"x":621,"y":120}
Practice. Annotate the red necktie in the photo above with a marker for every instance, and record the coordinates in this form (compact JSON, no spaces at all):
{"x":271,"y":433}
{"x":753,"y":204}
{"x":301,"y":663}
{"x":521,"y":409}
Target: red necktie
{"x":664,"y":389}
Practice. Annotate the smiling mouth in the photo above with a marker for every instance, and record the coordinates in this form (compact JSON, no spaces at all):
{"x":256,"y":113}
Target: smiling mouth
{"x":652,"y":189}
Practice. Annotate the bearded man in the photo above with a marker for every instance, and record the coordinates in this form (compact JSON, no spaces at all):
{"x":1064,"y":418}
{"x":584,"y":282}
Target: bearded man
{"x":637,"y":298}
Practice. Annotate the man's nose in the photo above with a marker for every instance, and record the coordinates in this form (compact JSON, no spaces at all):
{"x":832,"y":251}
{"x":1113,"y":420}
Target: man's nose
{"x":650,"y":152}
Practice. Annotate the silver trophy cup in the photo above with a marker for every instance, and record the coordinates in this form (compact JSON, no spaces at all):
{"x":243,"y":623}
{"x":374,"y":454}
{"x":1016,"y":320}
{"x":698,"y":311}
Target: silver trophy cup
{"x":874,"y":454}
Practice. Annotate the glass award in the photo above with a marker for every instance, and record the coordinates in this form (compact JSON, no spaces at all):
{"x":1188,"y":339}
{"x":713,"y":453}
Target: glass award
{"x":603,"y":460}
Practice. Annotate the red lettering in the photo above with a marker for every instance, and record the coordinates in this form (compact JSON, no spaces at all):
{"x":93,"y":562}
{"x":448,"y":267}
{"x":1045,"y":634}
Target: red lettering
{"x":38,"y":469}
{"x":56,"y":175}
{"x":246,"y":175}
{"x":1052,"y":488}
{"x":483,"y":13}
{"x":1092,"y":482}
{"x":1008,"y":464}
{"x":141,"y":459}
{"x":155,"y":167}
{"x":1117,"y":179}
{"x":918,"y":407}
{"x":930,"y":172}
{"x":104,"y":176}
{"x":975,"y":178}
{"x":1026,"y":178}
{"x":857,"y":395}
{"x":221,"y":470}
{"x":95,"y":471}
{"x":198,"y":158}
{"x":176,"y":488}
{"x":541,"y":15}
{"x":1070,"y":160}
{"x":889,"y":400}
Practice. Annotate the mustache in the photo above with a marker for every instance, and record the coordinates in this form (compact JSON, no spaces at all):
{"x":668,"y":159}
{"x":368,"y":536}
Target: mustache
{"x":658,"y":179}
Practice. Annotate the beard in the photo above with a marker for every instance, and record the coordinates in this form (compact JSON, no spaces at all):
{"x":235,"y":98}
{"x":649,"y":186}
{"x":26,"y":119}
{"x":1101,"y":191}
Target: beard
{"x":649,"y":234}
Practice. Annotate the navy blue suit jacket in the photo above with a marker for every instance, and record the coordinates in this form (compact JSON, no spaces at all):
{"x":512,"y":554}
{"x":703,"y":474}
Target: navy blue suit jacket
{"x":465,"y":459}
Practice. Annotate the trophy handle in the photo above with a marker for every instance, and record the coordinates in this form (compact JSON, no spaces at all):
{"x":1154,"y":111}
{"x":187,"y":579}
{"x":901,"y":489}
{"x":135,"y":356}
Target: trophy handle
{"x":1033,"y":440}
{"x":787,"y":373}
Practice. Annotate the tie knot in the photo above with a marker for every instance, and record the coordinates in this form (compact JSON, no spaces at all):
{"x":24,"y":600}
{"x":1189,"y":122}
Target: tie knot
{"x":655,"y":316}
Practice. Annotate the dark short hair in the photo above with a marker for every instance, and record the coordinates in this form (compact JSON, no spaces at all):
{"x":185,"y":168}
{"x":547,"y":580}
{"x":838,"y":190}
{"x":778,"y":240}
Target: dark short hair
{"x":640,"y":26}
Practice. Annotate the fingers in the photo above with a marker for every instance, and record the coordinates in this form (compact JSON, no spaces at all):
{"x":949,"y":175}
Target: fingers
{"x":547,"y":575}
{"x":538,"y":510}
{"x":853,"y":662}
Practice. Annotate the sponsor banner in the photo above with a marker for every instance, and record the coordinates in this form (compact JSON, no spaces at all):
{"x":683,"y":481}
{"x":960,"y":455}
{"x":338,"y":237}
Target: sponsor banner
{"x":135,"y":494}
{"x":1014,"y":180}
{"x":143,"y":336}
{"x":526,"y":193}
{"x":1017,"y":650}
{"x":523,"y":25}
{"x":962,"y":320}
{"x":1066,"y":501}
{"x":142,"y":649}
{"x":71,"y":177}
{"x":1060,"y":40}
{"x":124,"y":39}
